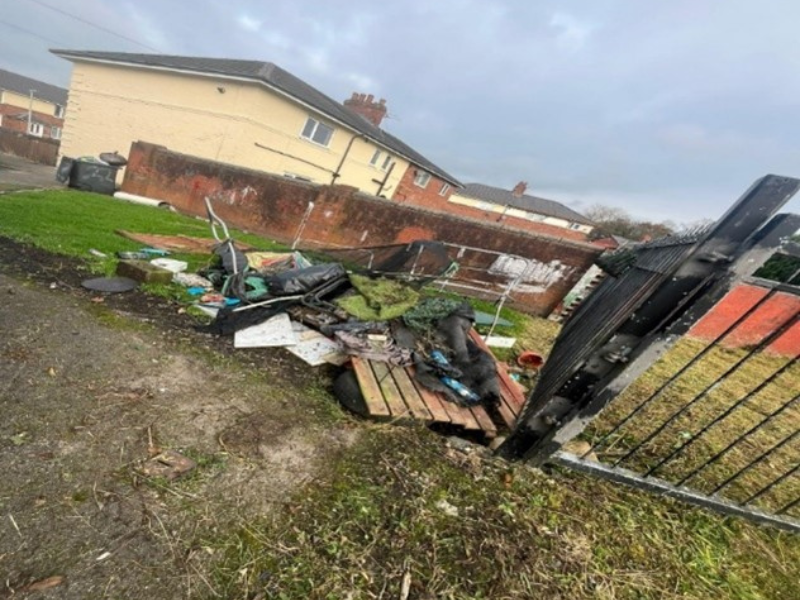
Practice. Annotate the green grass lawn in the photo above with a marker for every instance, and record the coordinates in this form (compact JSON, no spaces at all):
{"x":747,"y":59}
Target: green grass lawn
{"x":71,"y":222}
{"x":401,"y":506}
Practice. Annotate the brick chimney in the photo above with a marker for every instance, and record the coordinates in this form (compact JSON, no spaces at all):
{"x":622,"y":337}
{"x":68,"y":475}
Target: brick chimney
{"x":519,"y":189}
{"x":365,"y":105}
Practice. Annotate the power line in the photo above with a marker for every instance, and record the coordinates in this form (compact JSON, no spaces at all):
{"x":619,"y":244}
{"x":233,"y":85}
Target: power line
{"x":95,"y":25}
{"x":29,"y":32}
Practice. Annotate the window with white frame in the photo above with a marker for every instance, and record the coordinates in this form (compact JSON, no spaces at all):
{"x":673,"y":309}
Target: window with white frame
{"x":36,"y":129}
{"x":317,"y":132}
{"x":375,"y":158}
{"x":421,"y":178}
{"x":444,"y":189}
{"x":386,"y":163}
{"x":55,"y":133}
{"x":59,"y":112}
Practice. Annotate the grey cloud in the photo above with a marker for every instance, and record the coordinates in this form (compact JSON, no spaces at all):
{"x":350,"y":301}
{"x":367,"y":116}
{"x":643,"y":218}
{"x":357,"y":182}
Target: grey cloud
{"x":668,"y":109}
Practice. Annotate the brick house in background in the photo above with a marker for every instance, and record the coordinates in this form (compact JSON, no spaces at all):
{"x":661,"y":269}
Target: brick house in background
{"x":516,"y":209}
{"x":31,"y":106}
{"x":419,"y":183}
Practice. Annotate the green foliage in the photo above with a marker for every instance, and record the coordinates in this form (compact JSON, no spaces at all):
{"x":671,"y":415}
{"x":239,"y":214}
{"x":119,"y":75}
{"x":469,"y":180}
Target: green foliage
{"x":72,"y":222}
{"x":780,"y":268}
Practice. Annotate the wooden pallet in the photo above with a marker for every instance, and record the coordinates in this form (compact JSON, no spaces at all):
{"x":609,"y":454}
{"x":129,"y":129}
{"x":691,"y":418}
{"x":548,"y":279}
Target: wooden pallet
{"x":392,"y":393}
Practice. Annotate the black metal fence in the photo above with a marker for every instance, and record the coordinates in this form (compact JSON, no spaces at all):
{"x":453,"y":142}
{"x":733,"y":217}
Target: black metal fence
{"x":713,"y":422}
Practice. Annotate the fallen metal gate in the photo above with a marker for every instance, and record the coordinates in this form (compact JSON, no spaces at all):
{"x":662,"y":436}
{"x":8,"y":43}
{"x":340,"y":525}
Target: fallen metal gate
{"x":707,"y":422}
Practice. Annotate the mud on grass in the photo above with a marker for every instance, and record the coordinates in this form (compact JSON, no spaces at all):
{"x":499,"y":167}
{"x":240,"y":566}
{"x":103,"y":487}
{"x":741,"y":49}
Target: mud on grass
{"x":404,"y":506}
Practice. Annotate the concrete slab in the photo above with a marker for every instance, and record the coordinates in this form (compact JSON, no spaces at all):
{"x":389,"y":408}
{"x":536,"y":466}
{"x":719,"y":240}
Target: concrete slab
{"x":21,"y":173}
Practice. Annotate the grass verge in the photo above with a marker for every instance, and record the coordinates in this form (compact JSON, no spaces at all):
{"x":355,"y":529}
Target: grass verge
{"x":714,"y":399}
{"x":403,"y":510}
{"x":71,"y":222}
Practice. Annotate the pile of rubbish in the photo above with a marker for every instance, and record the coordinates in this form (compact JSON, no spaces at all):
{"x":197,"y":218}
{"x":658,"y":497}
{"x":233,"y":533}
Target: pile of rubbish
{"x":326,"y":311}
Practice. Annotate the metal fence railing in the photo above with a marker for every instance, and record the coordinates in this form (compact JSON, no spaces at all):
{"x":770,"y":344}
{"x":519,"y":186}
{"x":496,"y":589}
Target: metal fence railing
{"x":626,"y":395}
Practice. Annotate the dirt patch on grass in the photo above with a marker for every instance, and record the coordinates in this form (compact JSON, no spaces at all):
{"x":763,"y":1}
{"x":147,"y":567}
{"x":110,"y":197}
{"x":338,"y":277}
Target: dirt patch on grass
{"x":87,"y":400}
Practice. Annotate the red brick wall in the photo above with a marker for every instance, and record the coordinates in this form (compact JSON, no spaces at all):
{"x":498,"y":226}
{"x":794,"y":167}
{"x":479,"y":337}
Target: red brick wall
{"x":275,"y":207}
{"x":408,"y":191}
{"x":766,"y":319}
{"x":429,"y":197}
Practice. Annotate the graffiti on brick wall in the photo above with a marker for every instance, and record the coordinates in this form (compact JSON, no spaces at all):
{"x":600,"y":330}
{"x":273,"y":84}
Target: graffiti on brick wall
{"x":533,"y":276}
{"x":234,"y":196}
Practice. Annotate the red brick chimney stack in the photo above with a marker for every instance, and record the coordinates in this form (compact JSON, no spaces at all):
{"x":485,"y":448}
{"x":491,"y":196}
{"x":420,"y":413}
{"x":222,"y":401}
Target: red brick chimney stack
{"x":365,"y":105}
{"x":519,"y":189}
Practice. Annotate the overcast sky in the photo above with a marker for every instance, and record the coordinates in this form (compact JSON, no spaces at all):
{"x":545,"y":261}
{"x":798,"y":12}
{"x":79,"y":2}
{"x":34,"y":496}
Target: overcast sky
{"x":667,"y":109}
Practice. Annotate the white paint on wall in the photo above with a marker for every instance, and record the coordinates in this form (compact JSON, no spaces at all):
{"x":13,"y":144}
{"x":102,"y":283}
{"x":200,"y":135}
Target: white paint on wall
{"x":534,"y":276}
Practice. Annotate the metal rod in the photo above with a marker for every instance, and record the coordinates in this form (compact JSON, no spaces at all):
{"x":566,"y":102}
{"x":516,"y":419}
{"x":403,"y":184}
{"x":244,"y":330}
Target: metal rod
{"x":753,"y":463}
{"x":727,"y":448}
{"x":302,"y":225}
{"x":657,"y":486}
{"x":722,"y":416}
{"x":506,"y":293}
{"x":765,"y":342}
{"x":788,"y":507}
{"x":267,"y":302}
{"x":680,"y":372}
{"x":416,"y":259}
{"x":771,"y":485}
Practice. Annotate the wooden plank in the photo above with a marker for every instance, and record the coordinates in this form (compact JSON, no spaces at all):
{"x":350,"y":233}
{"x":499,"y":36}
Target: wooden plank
{"x":513,"y":395}
{"x":431,"y":400}
{"x":393,"y":397}
{"x":484,"y":421}
{"x":508,"y":416}
{"x":373,"y":396}
{"x":468,"y":418}
{"x":434,"y":399}
{"x":410,"y":394}
{"x":511,"y":392}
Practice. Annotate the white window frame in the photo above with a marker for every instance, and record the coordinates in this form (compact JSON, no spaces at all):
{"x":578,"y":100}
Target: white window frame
{"x":386,"y":162}
{"x":59,"y":112}
{"x":36,"y":130}
{"x":315,"y":125}
{"x":375,"y":158}
{"x":55,"y":132}
{"x":422,"y":178}
{"x":444,"y":189}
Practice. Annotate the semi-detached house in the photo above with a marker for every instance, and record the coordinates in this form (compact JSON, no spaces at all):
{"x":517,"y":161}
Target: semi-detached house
{"x":31,"y":106}
{"x":248,"y":113}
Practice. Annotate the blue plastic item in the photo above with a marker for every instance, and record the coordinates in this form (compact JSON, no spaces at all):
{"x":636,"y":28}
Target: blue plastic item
{"x":154,"y":251}
{"x":466,"y":394}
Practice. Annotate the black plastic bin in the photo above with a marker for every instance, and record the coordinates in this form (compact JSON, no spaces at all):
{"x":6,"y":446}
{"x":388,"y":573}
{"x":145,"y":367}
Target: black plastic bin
{"x":88,"y":175}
